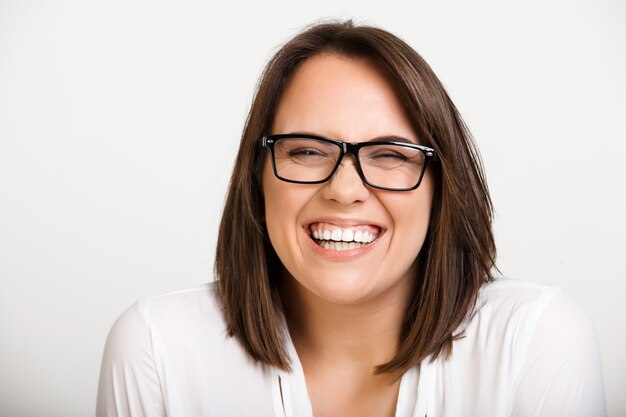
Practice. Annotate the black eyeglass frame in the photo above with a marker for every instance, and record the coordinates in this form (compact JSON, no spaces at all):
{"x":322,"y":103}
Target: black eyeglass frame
{"x":348,"y":148}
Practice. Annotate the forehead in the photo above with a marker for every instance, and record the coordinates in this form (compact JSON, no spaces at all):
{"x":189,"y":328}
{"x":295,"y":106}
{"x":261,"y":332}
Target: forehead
{"x":345,"y":98}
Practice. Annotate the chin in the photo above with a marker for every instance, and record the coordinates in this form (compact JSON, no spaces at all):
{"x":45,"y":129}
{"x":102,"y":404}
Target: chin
{"x":343,"y":290}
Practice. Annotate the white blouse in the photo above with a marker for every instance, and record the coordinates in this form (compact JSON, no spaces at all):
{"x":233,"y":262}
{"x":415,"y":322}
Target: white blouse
{"x":529,"y":351}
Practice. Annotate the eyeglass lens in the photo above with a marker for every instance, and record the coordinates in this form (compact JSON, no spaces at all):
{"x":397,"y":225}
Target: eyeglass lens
{"x":384,"y":165}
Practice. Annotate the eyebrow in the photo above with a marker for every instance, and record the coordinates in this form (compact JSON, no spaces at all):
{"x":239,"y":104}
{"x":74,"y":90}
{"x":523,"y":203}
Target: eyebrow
{"x":392,"y":139}
{"x":384,"y":138}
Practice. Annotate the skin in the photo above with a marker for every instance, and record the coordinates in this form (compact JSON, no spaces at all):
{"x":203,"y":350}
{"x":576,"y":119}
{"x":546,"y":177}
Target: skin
{"x":345,"y":312}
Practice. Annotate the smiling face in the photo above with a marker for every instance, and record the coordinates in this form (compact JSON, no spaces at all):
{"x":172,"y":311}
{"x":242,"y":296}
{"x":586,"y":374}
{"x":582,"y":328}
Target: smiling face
{"x":349,"y":100}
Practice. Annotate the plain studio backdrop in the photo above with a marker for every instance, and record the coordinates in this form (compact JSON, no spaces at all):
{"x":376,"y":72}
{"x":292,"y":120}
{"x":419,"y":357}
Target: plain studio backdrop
{"x":119,"y":123}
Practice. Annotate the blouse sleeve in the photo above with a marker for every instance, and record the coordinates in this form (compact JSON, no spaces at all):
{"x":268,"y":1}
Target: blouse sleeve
{"x":561,"y":371}
{"x":129,"y":382}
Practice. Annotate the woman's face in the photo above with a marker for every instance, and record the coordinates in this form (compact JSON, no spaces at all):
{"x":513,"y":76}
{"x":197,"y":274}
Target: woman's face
{"x":350,"y":100}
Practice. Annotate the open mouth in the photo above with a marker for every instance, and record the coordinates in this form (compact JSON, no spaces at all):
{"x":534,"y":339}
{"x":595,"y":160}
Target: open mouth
{"x":333,"y":237}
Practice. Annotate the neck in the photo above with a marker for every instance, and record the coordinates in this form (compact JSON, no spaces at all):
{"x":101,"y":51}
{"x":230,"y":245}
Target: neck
{"x":363,"y":335}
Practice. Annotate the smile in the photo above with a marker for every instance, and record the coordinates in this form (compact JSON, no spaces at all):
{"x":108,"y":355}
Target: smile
{"x":333,"y":237}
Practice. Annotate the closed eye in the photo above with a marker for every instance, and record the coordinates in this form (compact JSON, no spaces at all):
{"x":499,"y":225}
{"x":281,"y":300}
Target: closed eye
{"x":306,"y":152}
{"x":390,"y":155}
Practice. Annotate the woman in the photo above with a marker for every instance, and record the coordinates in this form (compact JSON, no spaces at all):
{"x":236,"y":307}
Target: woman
{"x":354,"y":266}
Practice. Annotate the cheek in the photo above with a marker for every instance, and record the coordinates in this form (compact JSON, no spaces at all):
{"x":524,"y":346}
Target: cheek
{"x":412,"y":224}
{"x":421,"y":217}
{"x":411,"y":217}
{"x":275,"y":194}
{"x":283,"y":203}
{"x":410,"y":211}
{"x":272,"y":198}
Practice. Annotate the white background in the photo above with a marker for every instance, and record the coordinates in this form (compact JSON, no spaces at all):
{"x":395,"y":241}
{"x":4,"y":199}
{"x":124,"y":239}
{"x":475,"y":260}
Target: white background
{"x":119,"y":122}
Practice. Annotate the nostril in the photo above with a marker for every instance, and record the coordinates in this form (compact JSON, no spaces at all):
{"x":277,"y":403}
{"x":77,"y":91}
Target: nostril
{"x":346,"y":188}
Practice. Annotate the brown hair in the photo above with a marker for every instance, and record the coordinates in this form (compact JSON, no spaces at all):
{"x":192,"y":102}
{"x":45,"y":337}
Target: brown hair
{"x":458,"y":254}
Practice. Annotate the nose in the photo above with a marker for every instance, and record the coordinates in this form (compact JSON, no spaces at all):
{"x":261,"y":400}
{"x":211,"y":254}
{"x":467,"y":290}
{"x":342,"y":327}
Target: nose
{"x":346,"y":185}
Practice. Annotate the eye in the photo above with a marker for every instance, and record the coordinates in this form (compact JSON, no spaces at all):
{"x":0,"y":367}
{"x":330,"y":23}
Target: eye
{"x":391,"y":156}
{"x":305,"y":153}
{"x":388,"y":154}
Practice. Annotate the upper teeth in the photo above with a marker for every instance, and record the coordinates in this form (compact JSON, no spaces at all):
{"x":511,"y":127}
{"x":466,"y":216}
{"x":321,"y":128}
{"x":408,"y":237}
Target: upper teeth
{"x":345,"y":235}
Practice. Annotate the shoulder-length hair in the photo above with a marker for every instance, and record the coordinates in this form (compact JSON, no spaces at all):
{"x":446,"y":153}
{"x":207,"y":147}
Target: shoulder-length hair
{"x":458,"y":254}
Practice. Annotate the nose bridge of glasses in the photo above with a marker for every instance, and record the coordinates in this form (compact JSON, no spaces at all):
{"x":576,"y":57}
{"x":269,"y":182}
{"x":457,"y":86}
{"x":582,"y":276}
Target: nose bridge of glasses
{"x":349,"y":149}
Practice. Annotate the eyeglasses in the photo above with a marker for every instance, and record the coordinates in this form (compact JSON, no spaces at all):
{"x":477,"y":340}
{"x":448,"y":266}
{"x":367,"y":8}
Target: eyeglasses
{"x":386,"y":165}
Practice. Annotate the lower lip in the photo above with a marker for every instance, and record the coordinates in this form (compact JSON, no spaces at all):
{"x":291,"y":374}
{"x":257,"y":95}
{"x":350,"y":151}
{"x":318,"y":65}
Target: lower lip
{"x":341,"y":254}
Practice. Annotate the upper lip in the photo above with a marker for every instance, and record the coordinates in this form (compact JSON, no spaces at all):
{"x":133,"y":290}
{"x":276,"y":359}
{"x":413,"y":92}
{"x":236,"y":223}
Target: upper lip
{"x":344,"y":222}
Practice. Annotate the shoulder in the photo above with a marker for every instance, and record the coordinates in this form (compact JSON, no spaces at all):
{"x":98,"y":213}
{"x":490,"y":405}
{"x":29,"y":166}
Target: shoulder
{"x":173,"y":352}
{"x":507,"y":306}
{"x":515,"y":319}
{"x":530,"y":306}
{"x":530,"y":349}
{"x":178,"y":312}
{"x":520,"y":305}
{"x":540,"y":345}
{"x":554,"y":351}
{"x":196,"y":302}
{"x":174,"y":315}
{"x":513,"y":295}
{"x":535,"y":305}
{"x":193,"y":299}
{"x":147,"y":343}
{"x":513,"y":311}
